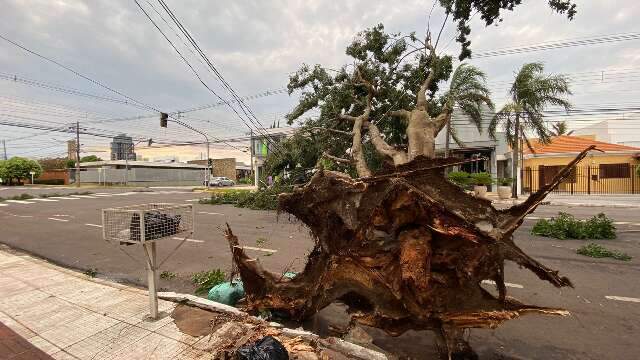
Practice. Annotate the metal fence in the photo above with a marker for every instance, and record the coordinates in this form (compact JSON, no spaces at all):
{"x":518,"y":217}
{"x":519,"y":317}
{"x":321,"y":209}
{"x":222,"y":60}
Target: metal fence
{"x":594,"y":179}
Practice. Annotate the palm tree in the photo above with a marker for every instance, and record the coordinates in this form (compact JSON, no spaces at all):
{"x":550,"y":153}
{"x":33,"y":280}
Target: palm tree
{"x":468,"y":90}
{"x":531,"y":92}
{"x":560,"y":128}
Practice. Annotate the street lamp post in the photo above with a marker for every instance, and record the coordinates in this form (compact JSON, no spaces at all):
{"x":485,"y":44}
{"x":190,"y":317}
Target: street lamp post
{"x":32,"y":173}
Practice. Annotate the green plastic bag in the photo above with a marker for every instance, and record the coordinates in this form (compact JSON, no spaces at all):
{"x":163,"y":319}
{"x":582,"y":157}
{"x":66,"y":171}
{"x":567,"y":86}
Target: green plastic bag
{"x":227,"y":293}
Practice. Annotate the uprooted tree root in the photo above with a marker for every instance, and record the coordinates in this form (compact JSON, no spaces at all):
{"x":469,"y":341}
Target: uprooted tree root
{"x":404,"y":249}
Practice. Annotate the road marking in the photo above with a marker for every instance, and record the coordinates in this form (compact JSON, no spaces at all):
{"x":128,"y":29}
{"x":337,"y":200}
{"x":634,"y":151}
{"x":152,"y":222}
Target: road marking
{"x":19,"y":202}
{"x":63,"y":198}
{"x":4,"y":204}
{"x":621,"y":222}
{"x":84,"y":196}
{"x":44,"y":199}
{"x":188,"y":240}
{"x":258,"y":249}
{"x":209,"y":213}
{"x":103,"y":195}
{"x":622,"y":298}
{"x":62,"y":215}
{"x":94,"y":225}
{"x":56,"y":219}
{"x":192,"y":200}
{"x":533,"y":218}
{"x":491,"y":282}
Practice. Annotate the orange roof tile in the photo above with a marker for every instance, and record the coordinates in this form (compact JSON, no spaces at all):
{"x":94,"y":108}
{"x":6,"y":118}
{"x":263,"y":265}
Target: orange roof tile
{"x":574,"y":144}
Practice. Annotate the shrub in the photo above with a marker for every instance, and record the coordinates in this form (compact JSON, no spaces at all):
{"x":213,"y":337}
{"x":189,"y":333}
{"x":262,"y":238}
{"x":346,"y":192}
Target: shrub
{"x":460,"y":178}
{"x":481,"y":179}
{"x":246,"y":181}
{"x":504,"y":181}
{"x":565,"y":226}
{"x":265,"y":199}
{"x":219,"y":197}
{"x":598,"y":251}
{"x":205,"y":280}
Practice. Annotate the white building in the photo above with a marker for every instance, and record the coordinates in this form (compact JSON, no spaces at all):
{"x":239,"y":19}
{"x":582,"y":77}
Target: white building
{"x":614,"y":131}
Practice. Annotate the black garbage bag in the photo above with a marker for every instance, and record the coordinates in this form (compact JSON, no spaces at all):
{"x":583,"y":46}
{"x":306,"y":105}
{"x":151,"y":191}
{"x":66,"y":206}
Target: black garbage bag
{"x":266,"y":348}
{"x":156,"y":225}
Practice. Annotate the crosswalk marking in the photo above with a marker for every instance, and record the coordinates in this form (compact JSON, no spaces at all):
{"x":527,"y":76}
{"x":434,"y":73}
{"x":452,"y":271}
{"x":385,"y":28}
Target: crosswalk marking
{"x":84,"y":196}
{"x":4,"y":204}
{"x":188,"y":240}
{"x":209,"y":213}
{"x":491,"y":282}
{"x":63,"y":198}
{"x":45,"y":200}
{"x":56,"y":219}
{"x":19,"y":202}
{"x":94,"y":225}
{"x":623,"y":298}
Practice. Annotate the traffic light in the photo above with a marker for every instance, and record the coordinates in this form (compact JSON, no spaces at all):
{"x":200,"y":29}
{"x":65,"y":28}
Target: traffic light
{"x":163,"y":119}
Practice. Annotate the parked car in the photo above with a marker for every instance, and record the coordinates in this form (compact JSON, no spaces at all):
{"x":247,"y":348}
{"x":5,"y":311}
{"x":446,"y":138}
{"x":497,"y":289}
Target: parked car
{"x":221,"y":181}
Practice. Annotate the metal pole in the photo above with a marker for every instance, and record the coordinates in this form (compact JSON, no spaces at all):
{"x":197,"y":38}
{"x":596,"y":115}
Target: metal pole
{"x":208,"y":177}
{"x":126,"y":165}
{"x":251,"y":146}
{"x":77,"y":153}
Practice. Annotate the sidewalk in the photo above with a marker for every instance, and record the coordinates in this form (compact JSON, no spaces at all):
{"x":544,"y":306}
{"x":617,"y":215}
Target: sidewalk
{"x":51,"y":312}
{"x":607,"y":200}
{"x":71,"y":316}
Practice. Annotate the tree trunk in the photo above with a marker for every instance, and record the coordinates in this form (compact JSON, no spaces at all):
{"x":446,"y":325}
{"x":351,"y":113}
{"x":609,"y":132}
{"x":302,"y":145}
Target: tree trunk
{"x":421,"y":131}
{"x":447,"y":140}
{"x":515,"y":157}
{"x":404,"y":250}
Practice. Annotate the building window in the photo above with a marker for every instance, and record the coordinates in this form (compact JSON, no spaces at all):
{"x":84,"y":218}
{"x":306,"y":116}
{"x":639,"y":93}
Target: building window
{"x":615,"y":171}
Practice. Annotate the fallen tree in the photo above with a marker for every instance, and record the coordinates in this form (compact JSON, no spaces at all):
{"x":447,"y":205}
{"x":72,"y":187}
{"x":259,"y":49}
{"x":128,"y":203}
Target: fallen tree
{"x":403,"y":247}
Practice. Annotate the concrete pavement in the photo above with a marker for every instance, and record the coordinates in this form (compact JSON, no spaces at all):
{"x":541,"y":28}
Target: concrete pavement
{"x":70,"y":316}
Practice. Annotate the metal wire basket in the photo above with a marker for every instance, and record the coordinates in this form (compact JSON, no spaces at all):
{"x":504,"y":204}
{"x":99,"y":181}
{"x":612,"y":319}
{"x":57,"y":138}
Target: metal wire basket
{"x":123,"y":224}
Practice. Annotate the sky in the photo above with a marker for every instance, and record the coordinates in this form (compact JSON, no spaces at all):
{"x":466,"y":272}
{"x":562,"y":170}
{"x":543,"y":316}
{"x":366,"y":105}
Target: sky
{"x":256,"y":45}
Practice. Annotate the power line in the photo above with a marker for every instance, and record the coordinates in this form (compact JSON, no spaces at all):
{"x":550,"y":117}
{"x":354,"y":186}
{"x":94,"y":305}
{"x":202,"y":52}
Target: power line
{"x":245,"y":109}
{"x":559,"y":44}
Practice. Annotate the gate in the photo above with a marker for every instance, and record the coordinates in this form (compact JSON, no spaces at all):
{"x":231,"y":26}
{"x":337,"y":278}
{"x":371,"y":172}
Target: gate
{"x":593,"y":179}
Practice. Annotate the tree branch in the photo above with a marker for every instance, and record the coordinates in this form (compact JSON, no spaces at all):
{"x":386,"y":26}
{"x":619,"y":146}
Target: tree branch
{"x":401,"y":114}
{"x":421,"y":103}
{"x":348,"y":133}
{"x":399,"y":157}
{"x":337,"y":159}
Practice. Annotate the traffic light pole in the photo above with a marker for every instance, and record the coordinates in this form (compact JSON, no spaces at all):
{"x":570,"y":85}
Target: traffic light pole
{"x":164,"y":118}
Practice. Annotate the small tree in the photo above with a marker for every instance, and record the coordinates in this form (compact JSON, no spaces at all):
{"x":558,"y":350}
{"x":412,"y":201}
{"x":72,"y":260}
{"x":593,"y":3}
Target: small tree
{"x":532,"y":91}
{"x":19,"y":168}
{"x":90,"y":158}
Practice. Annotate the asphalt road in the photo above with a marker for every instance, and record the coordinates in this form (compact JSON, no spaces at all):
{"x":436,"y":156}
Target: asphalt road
{"x":605,"y":303}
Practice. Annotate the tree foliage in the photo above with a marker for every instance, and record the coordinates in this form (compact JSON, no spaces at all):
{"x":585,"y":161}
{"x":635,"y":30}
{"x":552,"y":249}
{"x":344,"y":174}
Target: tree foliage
{"x":387,"y":75}
{"x":490,"y":12}
{"x":53,"y":163}
{"x":90,"y":158}
{"x":18,"y":168}
{"x":531,"y":92}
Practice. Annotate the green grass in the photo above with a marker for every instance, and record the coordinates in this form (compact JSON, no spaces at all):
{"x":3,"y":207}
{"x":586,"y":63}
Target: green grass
{"x":598,"y":251}
{"x":91,"y":272}
{"x":168,"y":275}
{"x":566,"y":226}
{"x":205,"y":280}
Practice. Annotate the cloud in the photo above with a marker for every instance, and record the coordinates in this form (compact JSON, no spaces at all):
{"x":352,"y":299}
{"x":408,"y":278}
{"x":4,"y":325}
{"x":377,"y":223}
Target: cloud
{"x":257,"y":44}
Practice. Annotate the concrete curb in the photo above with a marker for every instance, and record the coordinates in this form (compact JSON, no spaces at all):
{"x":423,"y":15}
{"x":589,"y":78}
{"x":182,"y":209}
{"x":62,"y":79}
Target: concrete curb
{"x":332,"y":343}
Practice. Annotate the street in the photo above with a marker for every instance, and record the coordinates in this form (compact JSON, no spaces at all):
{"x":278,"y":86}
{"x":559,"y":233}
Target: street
{"x":605,"y":304}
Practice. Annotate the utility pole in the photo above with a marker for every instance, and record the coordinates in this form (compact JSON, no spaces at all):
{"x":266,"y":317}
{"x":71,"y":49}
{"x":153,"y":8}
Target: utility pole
{"x":251,"y":147}
{"x":77,"y":153}
{"x":4,"y":145}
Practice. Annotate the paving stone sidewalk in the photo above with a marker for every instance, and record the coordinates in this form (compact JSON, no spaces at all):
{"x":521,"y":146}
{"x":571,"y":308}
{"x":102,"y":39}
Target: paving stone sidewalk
{"x":68,"y":315}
